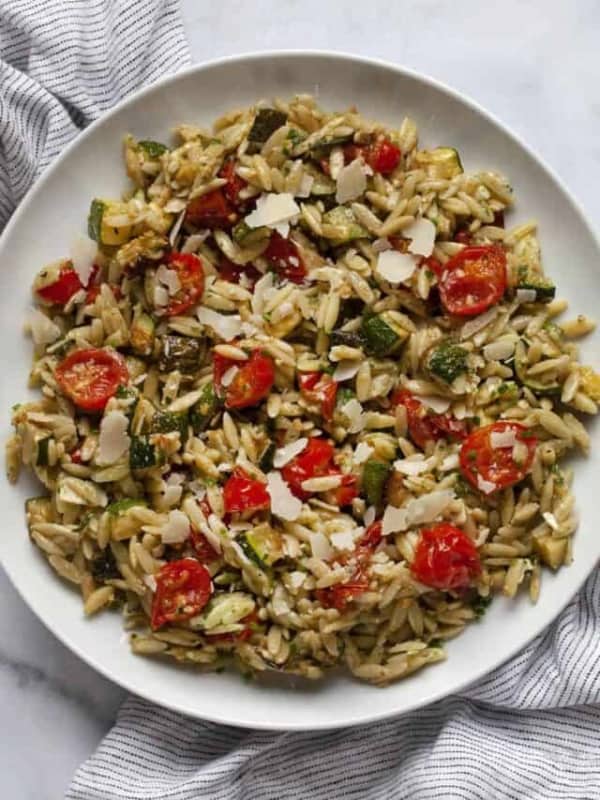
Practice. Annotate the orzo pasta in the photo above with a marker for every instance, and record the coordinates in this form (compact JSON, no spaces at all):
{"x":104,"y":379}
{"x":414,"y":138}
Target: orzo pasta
{"x":303,"y":398}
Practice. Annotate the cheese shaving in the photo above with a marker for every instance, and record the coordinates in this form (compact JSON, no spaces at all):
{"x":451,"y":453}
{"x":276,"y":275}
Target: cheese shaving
{"x":354,"y":411}
{"x":43,"y":330}
{"x":83,"y":254}
{"x":113,"y":440}
{"x":500,"y":439}
{"x":422,"y":233}
{"x":345,"y":370}
{"x":487,"y":487}
{"x":227,"y":326}
{"x":283,"y":502}
{"x":362,"y":453}
{"x":416,"y":512}
{"x":176,"y":529}
{"x":320,"y":546}
{"x":274,"y":211}
{"x":351,"y":182}
{"x":285,"y":454}
{"x":396,"y":267}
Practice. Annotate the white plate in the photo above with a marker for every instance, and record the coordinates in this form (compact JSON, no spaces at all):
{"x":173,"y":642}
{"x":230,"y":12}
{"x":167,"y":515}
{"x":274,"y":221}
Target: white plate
{"x":56,"y":208}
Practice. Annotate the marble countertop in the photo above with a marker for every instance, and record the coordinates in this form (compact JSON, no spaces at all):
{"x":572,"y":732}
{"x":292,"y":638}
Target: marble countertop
{"x":533,"y":64}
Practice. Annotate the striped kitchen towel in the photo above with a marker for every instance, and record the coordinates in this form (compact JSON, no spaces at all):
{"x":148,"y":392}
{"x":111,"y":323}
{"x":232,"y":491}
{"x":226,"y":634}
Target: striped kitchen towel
{"x":529,"y":731}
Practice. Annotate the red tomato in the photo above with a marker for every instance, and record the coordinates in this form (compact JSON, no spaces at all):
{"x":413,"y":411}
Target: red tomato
{"x":183,"y":588}
{"x":243,"y":493}
{"x":202,"y":547}
{"x":190,"y":272}
{"x":318,"y":387}
{"x":252,"y":382}
{"x":383,"y":156}
{"x":285,"y":257}
{"x":495,"y":465}
{"x":220,"y":366}
{"x":230,"y":272}
{"x":313,"y":462}
{"x":211,"y":210}
{"x":473,"y":280}
{"x":91,"y":377}
{"x":76,"y":455}
{"x":462,"y":237}
{"x":64,"y":287}
{"x":445,"y":558}
{"x":234,"y":184}
{"x":425,"y":426}
{"x":346,"y":493}
{"x":338,"y":596}
{"x":434,"y":265}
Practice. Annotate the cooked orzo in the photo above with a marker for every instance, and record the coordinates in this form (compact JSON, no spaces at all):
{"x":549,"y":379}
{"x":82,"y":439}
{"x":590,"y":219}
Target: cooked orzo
{"x":304,"y":400}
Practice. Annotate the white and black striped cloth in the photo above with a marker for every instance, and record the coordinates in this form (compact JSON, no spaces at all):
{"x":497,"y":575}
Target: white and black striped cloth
{"x":530,"y":731}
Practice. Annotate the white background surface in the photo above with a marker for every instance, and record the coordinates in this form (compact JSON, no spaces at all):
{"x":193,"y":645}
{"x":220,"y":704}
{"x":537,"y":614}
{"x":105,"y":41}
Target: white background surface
{"x":533,"y":64}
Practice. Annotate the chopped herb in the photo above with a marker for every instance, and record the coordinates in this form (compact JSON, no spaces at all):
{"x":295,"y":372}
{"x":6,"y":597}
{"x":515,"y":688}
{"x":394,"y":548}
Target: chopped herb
{"x":153,"y":149}
{"x":480,"y":605}
{"x":436,"y":643}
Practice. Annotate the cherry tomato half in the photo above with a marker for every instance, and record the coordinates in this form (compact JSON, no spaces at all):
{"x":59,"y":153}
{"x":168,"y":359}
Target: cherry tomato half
{"x":345,"y":493}
{"x":425,"y":426}
{"x":183,"y":588}
{"x":91,"y":377}
{"x":445,"y":558}
{"x":211,"y":210}
{"x":313,"y":462}
{"x":190,"y":272}
{"x":202,"y":547}
{"x":232,"y":273}
{"x":339,"y":595}
{"x":489,"y":467}
{"x":473,"y":280}
{"x":234,"y":184}
{"x":383,"y":156}
{"x":243,"y":493}
{"x":318,"y":387}
{"x":63,"y":288}
{"x":283,"y":255}
{"x":252,"y":382}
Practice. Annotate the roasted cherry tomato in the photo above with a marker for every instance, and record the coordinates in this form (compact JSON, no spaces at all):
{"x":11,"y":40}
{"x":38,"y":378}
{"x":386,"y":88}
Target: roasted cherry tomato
{"x":211,"y":210}
{"x":489,"y":464}
{"x":318,"y":387}
{"x":232,"y":273}
{"x":339,"y":595}
{"x":252,"y":382}
{"x":313,"y":462}
{"x":234,"y":184}
{"x":283,"y":255}
{"x":63,"y":288}
{"x":76,"y":455}
{"x":473,"y":280}
{"x":425,"y":426}
{"x":220,"y":366}
{"x":183,"y":588}
{"x":91,"y":377}
{"x":383,"y":156}
{"x":463,"y":236}
{"x":243,"y":493}
{"x":445,"y":558}
{"x":202,"y":547}
{"x":190,"y":272}
{"x":345,"y":493}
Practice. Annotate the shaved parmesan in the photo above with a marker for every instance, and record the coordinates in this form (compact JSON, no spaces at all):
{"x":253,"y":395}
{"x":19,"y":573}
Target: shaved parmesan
{"x":169,"y":278}
{"x":174,"y":233}
{"x":320,"y":546}
{"x":351,"y":182}
{"x":263,"y":286}
{"x":229,"y":375}
{"x":113,"y":440}
{"x":450,"y":462}
{"x":487,"y":487}
{"x":438,"y":404}
{"x":161,"y":296}
{"x":305,"y":186}
{"x":354,"y":412}
{"x":176,"y":529}
{"x":526,"y":295}
{"x":500,"y":350}
{"x":413,"y":465}
{"x":345,"y":370}
{"x":274,"y":211}
{"x":396,"y":267}
{"x":285,"y":454}
{"x":343,"y":540}
{"x":503,"y":438}
{"x":362,"y":453}
{"x":417,"y":511}
{"x":477,"y":323}
{"x":283,"y":502}
{"x":43,"y":330}
{"x":227,"y":326}
{"x":83,"y":254}
{"x":369,"y":515}
{"x":297,"y":578}
{"x":422,"y":232}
